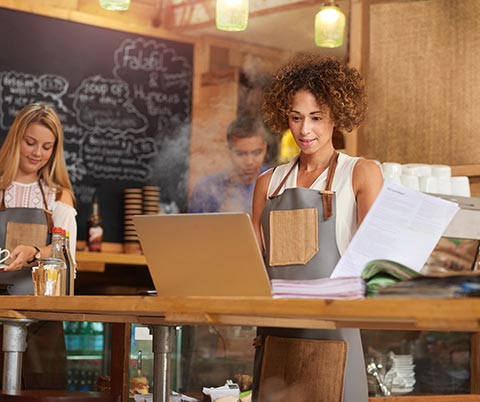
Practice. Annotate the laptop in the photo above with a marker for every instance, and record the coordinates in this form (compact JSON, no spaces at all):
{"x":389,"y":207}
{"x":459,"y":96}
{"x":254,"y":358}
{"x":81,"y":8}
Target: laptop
{"x":208,"y":254}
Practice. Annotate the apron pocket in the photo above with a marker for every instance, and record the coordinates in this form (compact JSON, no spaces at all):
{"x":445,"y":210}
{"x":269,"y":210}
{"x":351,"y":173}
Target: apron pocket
{"x":31,"y":234}
{"x":293,"y":236}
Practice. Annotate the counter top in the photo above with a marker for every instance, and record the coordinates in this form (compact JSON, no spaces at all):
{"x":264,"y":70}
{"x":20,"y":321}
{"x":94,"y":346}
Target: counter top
{"x":395,"y":313}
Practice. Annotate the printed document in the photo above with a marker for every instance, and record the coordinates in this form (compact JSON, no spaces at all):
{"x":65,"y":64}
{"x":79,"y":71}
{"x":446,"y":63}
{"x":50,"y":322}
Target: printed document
{"x":403,"y":225}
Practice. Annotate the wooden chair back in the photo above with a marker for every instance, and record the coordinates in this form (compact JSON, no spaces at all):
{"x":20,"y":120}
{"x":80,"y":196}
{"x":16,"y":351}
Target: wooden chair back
{"x":302,"y":370}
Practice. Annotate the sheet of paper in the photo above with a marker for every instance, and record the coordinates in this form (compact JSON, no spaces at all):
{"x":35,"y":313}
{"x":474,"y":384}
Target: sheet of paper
{"x":403,"y":225}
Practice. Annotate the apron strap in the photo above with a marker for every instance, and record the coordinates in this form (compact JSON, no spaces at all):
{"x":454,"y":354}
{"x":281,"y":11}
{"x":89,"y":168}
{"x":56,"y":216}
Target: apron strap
{"x":327,"y":194}
{"x":277,"y":190}
{"x":2,"y":203}
{"x":47,"y":211}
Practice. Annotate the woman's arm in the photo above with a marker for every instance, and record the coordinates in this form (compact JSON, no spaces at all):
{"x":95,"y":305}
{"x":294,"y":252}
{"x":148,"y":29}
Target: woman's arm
{"x":259,"y":198}
{"x":23,"y":253}
{"x":367,"y":183}
{"x":64,"y":216}
{"x":67,"y":198}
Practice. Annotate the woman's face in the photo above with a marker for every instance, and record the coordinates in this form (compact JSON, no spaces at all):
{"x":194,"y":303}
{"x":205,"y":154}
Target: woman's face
{"x":311,"y":124}
{"x":35,"y":150}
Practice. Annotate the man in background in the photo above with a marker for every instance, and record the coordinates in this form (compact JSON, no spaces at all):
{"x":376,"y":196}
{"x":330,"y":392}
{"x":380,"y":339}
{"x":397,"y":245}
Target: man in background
{"x":231,"y":190}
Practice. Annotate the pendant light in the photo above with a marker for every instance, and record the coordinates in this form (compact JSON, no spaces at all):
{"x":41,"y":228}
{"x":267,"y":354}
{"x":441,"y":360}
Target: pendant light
{"x":115,"y":5}
{"x":232,"y":15}
{"x":329,"y":26}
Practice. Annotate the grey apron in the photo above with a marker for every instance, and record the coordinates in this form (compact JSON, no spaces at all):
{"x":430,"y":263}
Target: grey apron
{"x":321,"y":265}
{"x":21,"y":280}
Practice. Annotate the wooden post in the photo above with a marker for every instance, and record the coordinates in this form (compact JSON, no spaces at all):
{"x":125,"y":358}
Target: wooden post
{"x":120,"y":360}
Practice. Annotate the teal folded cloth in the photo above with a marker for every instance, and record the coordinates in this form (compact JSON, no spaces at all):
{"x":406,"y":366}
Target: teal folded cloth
{"x":380,"y":273}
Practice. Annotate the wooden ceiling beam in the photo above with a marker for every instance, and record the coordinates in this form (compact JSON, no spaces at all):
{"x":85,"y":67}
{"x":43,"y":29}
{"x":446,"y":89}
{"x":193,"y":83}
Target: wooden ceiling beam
{"x":189,"y":15}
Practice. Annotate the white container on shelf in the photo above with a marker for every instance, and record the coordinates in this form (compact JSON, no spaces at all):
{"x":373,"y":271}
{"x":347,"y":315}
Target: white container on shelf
{"x":460,"y":185}
{"x":428,"y":184}
{"x":391,"y":169}
{"x":441,"y":170}
{"x":416,"y":169}
{"x":444,"y":185}
{"x":410,"y":182}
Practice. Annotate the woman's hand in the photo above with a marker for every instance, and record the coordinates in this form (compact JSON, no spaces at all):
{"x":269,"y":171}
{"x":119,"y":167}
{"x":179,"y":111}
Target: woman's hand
{"x":20,"y":255}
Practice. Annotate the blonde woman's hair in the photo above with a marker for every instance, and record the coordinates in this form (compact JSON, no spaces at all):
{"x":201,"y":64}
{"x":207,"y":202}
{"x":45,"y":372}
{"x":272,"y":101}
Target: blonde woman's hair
{"x":54,"y":174}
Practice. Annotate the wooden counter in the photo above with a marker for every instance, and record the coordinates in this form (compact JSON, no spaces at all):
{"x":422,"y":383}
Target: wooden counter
{"x":404,"y":314}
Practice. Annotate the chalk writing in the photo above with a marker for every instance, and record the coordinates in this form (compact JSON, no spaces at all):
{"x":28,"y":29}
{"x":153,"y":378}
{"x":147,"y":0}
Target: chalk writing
{"x":124,"y":101}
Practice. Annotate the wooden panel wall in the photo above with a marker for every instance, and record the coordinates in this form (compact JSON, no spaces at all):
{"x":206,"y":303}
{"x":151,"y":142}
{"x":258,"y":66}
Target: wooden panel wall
{"x":423,"y":74}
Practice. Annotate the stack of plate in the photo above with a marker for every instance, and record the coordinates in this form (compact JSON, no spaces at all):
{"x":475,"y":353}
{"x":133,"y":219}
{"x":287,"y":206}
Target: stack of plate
{"x":151,"y":200}
{"x":404,"y":370}
{"x":132,"y":205}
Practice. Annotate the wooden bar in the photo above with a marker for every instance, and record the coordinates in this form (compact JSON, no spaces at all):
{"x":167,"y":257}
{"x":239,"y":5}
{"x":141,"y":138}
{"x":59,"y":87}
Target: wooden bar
{"x":401,"y":313}
{"x":398,"y":313}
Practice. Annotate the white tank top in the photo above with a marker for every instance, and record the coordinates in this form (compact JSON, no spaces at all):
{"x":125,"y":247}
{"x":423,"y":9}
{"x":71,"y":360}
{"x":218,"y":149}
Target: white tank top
{"x":346,"y":213}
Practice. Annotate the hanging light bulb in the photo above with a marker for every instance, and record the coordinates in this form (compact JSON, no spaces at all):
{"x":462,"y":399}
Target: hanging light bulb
{"x":232,"y":15}
{"x":115,"y":5}
{"x":329,"y":26}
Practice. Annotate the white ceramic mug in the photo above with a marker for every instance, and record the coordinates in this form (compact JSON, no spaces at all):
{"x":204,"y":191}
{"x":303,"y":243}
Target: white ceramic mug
{"x":460,"y":186}
{"x":4,"y":255}
{"x":410,"y":181}
{"x":428,"y":184}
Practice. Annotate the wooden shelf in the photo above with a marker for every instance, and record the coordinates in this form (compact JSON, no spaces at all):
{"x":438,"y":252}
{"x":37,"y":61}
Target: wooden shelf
{"x":111,"y":258}
{"x":466,"y":170}
{"x":95,"y":262}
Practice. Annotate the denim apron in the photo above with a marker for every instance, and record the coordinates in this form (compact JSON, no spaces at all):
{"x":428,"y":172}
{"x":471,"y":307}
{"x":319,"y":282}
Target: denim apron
{"x":317,"y":262}
{"x":35,"y":224}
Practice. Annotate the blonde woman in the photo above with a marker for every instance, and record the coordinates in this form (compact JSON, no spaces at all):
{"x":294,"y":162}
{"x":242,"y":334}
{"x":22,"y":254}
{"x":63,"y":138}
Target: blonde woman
{"x":35,"y":192}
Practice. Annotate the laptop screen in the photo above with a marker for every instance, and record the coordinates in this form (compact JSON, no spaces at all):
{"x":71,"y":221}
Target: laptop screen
{"x":210,"y":254}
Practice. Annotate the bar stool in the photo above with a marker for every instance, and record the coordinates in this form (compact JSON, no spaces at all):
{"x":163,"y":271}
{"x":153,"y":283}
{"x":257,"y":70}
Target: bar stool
{"x":56,"y":396}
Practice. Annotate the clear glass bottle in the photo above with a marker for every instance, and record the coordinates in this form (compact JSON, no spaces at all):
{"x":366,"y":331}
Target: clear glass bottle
{"x":57,"y":253}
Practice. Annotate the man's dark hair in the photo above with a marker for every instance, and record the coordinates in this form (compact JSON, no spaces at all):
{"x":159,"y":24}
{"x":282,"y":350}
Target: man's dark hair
{"x":246,"y":127}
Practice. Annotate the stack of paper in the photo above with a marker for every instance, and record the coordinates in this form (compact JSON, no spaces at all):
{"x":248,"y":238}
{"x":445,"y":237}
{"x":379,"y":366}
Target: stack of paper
{"x":326,"y":288}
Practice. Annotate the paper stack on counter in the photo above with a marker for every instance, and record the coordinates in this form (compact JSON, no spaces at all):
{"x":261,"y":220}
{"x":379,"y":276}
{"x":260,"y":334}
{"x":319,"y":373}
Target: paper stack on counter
{"x":325,"y":288}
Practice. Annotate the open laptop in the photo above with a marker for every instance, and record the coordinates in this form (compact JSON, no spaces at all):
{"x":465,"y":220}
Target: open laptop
{"x":212,"y":254}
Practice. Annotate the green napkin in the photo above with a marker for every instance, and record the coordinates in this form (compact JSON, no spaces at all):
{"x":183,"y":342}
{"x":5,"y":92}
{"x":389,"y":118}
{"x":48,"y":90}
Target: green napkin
{"x":381,"y":273}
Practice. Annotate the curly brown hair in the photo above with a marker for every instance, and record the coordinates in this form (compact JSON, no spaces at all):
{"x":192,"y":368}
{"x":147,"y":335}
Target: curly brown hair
{"x":332,"y":83}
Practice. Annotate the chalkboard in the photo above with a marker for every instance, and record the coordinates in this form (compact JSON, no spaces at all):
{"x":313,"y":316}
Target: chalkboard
{"x":124,"y":101}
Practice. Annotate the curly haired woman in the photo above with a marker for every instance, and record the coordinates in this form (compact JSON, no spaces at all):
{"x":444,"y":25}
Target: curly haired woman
{"x":312,"y":95}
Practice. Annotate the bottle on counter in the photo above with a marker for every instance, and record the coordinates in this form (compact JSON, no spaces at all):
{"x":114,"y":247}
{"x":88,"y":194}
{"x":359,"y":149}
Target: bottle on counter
{"x":58,"y":254}
{"x":95,"y":227}
{"x":71,"y":265}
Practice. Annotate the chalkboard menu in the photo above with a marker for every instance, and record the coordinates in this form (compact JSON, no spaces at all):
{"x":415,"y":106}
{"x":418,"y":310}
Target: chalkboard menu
{"x":124,"y":101}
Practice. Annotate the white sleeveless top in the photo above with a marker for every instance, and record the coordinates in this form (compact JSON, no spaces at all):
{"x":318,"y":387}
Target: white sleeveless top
{"x":346,"y":213}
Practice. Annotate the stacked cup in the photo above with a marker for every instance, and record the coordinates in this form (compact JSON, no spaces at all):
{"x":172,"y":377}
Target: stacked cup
{"x":404,"y":369}
{"x":132,"y":205}
{"x":435,"y":179}
{"x":151,"y":200}
{"x":392,"y":171}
